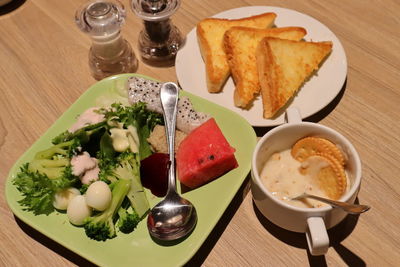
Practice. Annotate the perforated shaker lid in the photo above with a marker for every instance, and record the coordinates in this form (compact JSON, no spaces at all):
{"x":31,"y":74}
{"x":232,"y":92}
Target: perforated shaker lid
{"x":101,"y":18}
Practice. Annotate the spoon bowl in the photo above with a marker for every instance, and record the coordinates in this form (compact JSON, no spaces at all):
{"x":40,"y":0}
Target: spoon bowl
{"x":174,"y":217}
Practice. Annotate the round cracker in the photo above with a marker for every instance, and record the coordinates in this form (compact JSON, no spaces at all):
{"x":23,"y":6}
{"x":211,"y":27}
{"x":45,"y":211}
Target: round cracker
{"x":309,"y":146}
{"x":331,"y":177}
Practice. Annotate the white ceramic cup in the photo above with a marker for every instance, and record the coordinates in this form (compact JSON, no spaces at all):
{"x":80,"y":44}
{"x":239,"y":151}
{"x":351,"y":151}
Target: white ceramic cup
{"x":314,"y":222}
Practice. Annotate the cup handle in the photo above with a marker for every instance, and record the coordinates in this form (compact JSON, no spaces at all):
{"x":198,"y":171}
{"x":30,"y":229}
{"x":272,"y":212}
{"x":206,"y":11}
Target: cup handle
{"x":293,"y":115}
{"x":317,"y":236}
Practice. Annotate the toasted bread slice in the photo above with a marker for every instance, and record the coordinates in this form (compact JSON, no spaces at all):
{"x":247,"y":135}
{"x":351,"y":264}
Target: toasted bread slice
{"x":240,"y":44}
{"x":210,"y":33}
{"x":284,"y":66}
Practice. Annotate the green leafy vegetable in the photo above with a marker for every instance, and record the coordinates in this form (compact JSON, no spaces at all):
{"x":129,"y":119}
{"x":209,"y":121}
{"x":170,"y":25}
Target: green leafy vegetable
{"x":139,"y":117}
{"x":48,"y":172}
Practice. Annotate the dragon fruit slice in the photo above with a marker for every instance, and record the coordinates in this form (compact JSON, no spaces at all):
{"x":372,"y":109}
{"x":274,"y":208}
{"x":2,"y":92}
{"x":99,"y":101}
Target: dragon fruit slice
{"x":148,"y":91}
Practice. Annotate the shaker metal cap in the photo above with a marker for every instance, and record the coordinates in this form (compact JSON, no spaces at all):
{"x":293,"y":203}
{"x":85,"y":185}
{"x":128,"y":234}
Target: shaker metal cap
{"x":154,"y":10}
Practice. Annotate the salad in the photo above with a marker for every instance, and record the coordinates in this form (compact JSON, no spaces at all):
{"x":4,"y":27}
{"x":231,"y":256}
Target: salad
{"x":92,"y":171}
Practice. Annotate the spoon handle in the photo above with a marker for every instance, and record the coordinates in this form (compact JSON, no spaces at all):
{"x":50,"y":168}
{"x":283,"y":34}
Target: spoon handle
{"x":350,"y":208}
{"x":169,"y":102}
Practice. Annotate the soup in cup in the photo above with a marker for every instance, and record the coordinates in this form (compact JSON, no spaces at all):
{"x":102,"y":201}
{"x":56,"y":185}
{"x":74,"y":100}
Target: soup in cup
{"x":274,"y":202}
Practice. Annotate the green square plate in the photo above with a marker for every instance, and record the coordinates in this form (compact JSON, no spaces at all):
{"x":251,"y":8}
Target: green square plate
{"x":138,"y":248}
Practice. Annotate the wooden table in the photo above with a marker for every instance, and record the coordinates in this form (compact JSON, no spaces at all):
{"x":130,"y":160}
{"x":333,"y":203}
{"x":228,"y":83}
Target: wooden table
{"x":44,"y":70}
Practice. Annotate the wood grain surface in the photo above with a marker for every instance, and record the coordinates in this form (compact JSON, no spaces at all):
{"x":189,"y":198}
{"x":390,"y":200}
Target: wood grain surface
{"x":43,"y":70}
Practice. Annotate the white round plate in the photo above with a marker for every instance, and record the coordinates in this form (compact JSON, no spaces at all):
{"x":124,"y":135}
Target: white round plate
{"x":315,"y":94}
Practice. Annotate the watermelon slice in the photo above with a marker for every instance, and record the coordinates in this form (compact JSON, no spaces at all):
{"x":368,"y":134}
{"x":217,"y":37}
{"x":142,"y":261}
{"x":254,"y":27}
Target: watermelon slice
{"x":204,"y":155}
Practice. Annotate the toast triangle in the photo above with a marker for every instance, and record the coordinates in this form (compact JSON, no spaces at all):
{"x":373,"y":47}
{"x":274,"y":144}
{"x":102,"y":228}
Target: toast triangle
{"x":240,"y":44}
{"x":284,"y":66}
{"x":210,"y":34}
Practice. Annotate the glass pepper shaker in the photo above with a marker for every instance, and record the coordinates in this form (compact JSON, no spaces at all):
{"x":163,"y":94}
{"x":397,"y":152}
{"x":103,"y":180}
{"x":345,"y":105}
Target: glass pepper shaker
{"x":160,"y":40}
{"x":110,"y":53}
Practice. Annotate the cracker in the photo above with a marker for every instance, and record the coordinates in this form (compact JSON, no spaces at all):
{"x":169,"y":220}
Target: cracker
{"x":330,"y":175}
{"x":309,"y":146}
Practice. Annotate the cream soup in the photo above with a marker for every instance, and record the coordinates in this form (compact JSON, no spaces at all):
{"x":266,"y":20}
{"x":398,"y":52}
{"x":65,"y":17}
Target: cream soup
{"x":282,"y":176}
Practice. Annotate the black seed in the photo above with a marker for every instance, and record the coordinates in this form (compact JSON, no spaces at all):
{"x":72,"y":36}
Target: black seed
{"x":211,"y":157}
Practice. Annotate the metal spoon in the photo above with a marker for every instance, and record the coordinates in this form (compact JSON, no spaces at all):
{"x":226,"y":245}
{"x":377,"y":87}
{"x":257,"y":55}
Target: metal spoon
{"x":174,"y":217}
{"x":349,"y":208}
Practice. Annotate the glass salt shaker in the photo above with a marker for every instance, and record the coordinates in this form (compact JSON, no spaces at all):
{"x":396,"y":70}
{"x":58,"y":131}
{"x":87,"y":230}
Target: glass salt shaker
{"x":160,"y":40}
{"x":110,"y":53}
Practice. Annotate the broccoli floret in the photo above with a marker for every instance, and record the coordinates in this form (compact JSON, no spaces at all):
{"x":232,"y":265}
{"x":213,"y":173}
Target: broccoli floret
{"x":101,"y":226}
{"x":127,"y":221}
{"x":48,"y":172}
{"x":127,"y":167}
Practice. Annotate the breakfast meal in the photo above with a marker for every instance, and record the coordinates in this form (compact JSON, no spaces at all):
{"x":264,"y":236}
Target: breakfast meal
{"x":271,"y":60}
{"x":314,"y":165}
{"x":210,"y":34}
{"x":96,"y":171}
{"x":240,"y":45}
